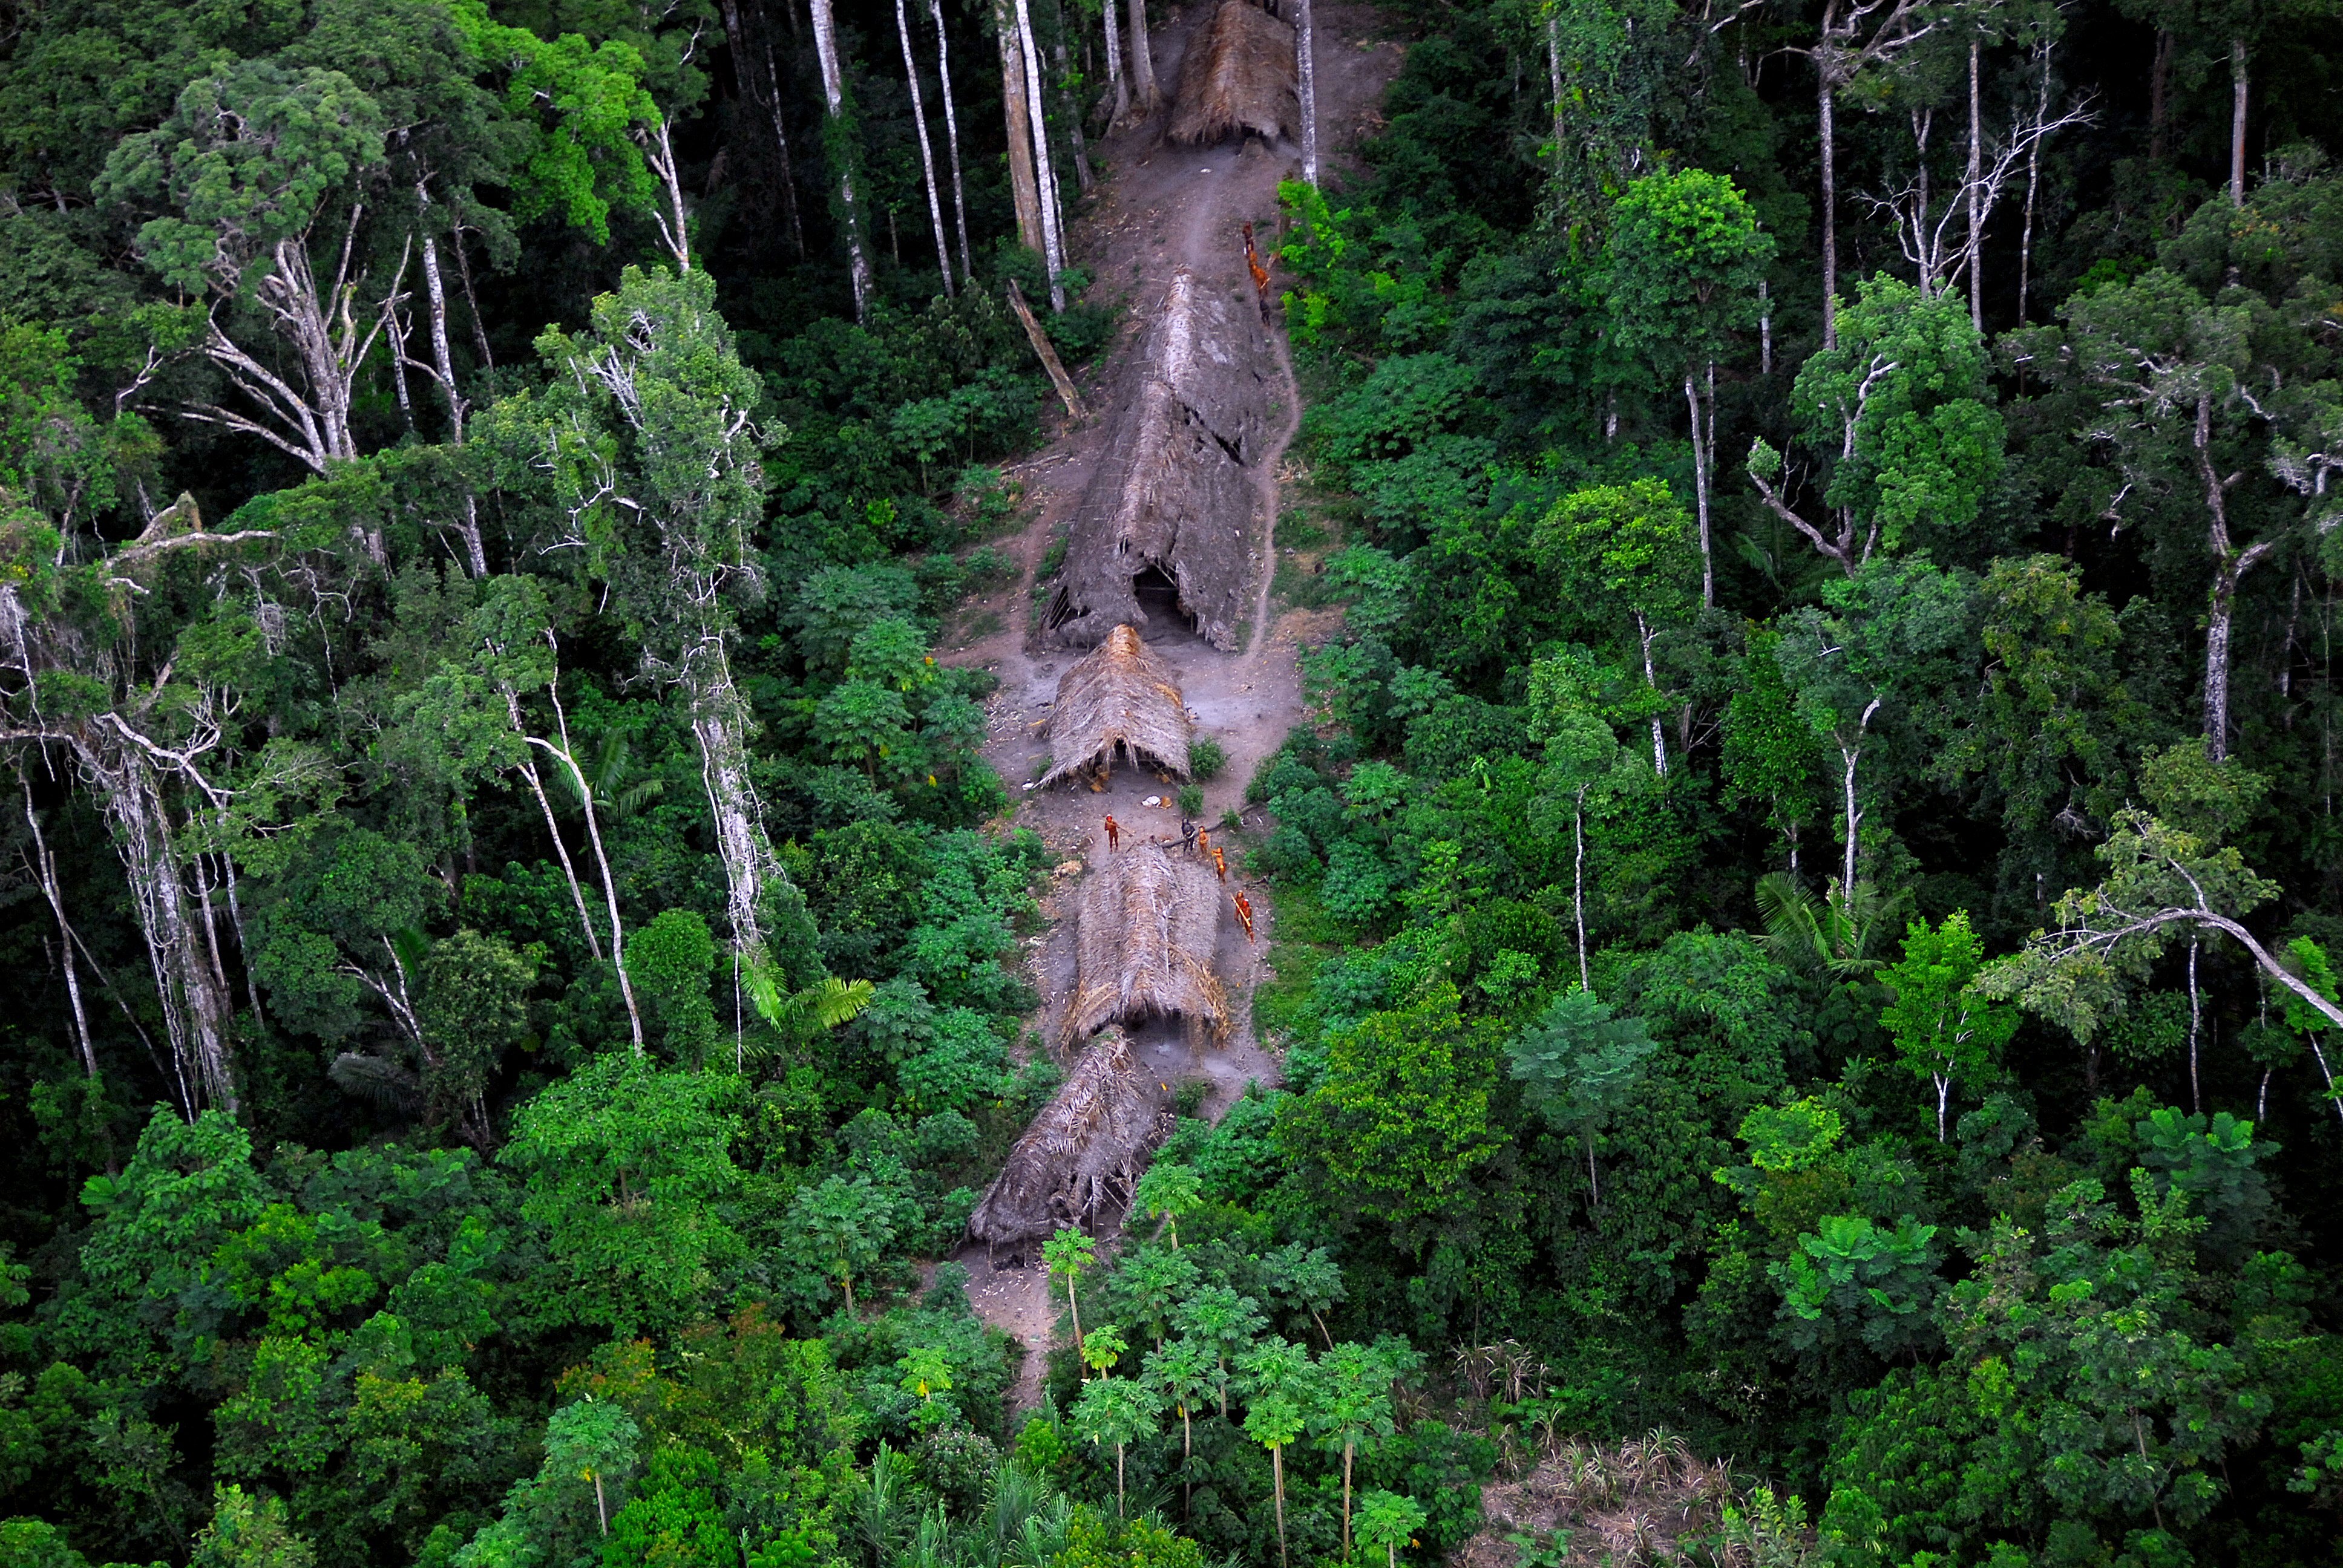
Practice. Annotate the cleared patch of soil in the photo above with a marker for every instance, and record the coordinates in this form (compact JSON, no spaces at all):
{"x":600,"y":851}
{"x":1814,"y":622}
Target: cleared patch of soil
{"x":1159,"y":207}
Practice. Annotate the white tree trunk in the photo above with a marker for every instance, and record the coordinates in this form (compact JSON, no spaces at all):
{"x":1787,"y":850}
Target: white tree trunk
{"x":1145,"y":97}
{"x":1053,"y":250}
{"x":1305,"y":62}
{"x":1823,"y":107}
{"x":833,"y":92}
{"x":1976,"y":198}
{"x":951,"y":142}
{"x":2236,"y":122}
{"x":1115,"y":78}
{"x":926,"y":155}
{"x":1024,"y":190}
{"x":1698,"y":403}
{"x":55,"y":892}
{"x":194,"y":1007}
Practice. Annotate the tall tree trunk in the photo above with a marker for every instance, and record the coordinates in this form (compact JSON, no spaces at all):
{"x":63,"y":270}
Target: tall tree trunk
{"x":568,"y":756}
{"x":926,"y":155}
{"x":1701,"y":429}
{"x":658,"y":151}
{"x":1015,"y":108}
{"x":1083,"y":177}
{"x":833,"y":91}
{"x":1578,"y":881}
{"x":782,"y":150}
{"x":1823,"y":107}
{"x":2236,"y":122}
{"x":1553,"y":74}
{"x":1305,"y":62}
{"x":2229,"y":567}
{"x":443,"y":361}
{"x":1764,"y":327}
{"x":1053,"y":249}
{"x":196,"y":1011}
{"x":1143,"y":93}
{"x":1652,"y":683}
{"x":1976,"y":196}
{"x":951,"y":141}
{"x":1277,"y":1475}
{"x":768,"y":98}
{"x":1115,"y":78}
{"x":2159,"y":99}
{"x":2034,"y":184}
{"x":552,"y":826}
{"x":47,"y":864}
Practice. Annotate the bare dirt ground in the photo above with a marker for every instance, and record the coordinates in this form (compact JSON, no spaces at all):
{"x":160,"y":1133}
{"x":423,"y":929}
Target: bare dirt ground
{"x":1158,"y":207}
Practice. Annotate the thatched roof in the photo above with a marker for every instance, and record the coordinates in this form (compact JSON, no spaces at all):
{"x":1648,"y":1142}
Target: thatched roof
{"x":1181,"y":493}
{"x":1080,"y":1155}
{"x":1238,"y":75}
{"x":1149,"y":920}
{"x":1118,"y":699}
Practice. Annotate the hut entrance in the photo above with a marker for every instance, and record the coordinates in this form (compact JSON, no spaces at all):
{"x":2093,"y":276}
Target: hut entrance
{"x":1158,"y":596}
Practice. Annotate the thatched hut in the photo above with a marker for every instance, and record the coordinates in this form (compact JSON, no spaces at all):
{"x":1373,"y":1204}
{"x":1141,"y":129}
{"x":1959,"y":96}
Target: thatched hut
{"x":1079,"y":1159}
{"x":1119,"y":702}
{"x":1166,"y":527}
{"x":1149,"y":920}
{"x":1239,"y":76}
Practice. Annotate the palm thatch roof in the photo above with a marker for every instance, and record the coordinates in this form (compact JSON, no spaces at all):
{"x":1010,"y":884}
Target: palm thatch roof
{"x":1238,"y":75}
{"x":1079,"y":1157}
{"x":1182,"y":493}
{"x":1149,"y":920}
{"x":1118,"y":701}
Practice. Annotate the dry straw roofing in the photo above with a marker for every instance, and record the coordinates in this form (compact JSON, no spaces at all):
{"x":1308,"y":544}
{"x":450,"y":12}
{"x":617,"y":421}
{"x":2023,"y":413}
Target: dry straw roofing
{"x":1181,"y":493}
{"x":1080,"y":1156}
{"x":1118,"y":699}
{"x":1149,"y":920}
{"x":1238,"y":76}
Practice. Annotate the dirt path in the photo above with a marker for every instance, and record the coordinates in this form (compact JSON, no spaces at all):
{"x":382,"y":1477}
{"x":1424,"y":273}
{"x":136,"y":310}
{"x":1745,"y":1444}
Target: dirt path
{"x":1159,"y":207}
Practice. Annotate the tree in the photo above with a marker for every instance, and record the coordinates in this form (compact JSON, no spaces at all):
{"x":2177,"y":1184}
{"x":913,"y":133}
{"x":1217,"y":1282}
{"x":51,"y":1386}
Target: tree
{"x":1402,"y":1121}
{"x":1877,"y":647}
{"x":623,"y":1166}
{"x":1156,"y":1282}
{"x":1629,"y":544}
{"x":1102,"y":1347}
{"x":1388,"y":1520}
{"x":1184,"y":1370}
{"x":1225,"y":1323}
{"x":1582,"y":755}
{"x":1856,"y":37}
{"x":1275,"y":1421}
{"x":838,"y":142}
{"x":249,"y":1532}
{"x":1309,"y":1278}
{"x":250,"y":162}
{"x":1068,"y":1254}
{"x":848,"y":1224}
{"x":2161,"y":881}
{"x":1686,"y":264}
{"x":1353,"y":1408}
{"x":1942,"y":1029}
{"x":1167,"y":1191}
{"x":1579,"y":1066}
{"x":1117,"y":1410}
{"x":1896,"y":410}
{"x":2175,"y":379}
{"x":1305,"y":71}
{"x":927,"y":157}
{"x":1771,"y":756}
{"x":648,"y":437}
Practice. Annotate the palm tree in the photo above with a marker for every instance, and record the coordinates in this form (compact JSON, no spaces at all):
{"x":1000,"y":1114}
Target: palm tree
{"x":1831,"y":935}
{"x":1120,"y":1410}
{"x":1183,"y":1370}
{"x":1274,"y":1421}
{"x":1068,"y":1254}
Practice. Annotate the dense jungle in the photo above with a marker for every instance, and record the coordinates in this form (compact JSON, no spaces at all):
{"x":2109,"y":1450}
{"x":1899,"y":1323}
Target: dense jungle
{"x":1802,"y":918}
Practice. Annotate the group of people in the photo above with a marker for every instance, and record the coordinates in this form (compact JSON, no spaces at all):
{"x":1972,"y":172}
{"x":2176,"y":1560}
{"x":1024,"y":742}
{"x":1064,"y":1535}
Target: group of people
{"x":1194,"y":840}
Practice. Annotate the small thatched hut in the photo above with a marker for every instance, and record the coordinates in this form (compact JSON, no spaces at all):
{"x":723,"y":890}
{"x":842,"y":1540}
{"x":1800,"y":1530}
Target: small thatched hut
{"x":1149,"y":920}
{"x":1238,"y":76}
{"x":1169,"y":519}
{"x":1079,"y":1157}
{"x":1119,"y":701}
